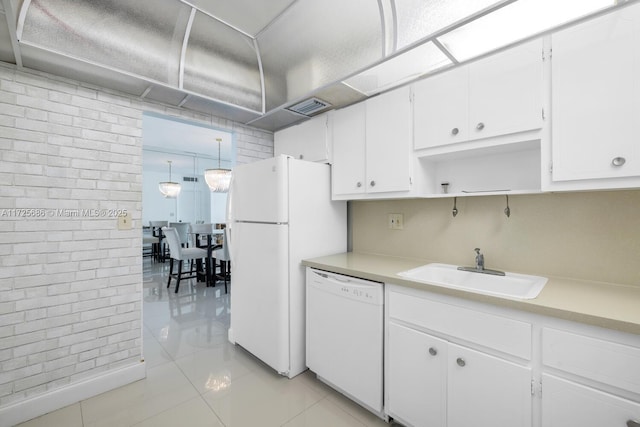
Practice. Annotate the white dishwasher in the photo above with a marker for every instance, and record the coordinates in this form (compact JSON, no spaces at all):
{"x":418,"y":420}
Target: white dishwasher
{"x":345,"y":318}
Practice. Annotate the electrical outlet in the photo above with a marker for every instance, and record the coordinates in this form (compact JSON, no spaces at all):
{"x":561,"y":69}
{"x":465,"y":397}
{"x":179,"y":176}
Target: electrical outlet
{"x":396,"y":221}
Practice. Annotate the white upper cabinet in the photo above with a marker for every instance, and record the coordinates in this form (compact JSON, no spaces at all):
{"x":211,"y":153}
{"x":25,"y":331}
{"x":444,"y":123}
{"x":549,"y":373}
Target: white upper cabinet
{"x":348,"y":136}
{"x":388,"y":128}
{"x":505,"y":92}
{"x":440,"y":111}
{"x":498,"y":95}
{"x":596,"y":99}
{"x":306,"y":141}
{"x":372,"y":147}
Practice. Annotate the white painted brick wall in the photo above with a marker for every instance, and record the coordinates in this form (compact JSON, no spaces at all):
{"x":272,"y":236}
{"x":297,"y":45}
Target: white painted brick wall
{"x":71,"y":287}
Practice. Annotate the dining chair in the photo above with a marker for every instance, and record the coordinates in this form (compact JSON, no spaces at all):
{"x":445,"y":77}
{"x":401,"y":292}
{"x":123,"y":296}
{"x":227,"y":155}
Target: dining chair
{"x":198,"y":230}
{"x":177,"y":252}
{"x":157,"y":248}
{"x":183,"y":232}
{"x":223,"y":260}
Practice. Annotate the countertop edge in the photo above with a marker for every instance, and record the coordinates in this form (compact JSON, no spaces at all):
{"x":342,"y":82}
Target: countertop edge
{"x":545,"y":304}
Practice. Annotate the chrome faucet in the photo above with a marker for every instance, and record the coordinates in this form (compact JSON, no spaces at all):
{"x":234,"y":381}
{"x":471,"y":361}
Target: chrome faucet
{"x":479,"y":260}
{"x":479,"y":268}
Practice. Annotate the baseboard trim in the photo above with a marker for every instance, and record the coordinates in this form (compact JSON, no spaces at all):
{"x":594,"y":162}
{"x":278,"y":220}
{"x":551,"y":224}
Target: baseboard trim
{"x":73,"y":393}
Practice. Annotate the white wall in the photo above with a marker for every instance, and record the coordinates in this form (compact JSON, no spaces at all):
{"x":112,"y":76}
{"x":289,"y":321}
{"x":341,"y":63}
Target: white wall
{"x":71,"y":287}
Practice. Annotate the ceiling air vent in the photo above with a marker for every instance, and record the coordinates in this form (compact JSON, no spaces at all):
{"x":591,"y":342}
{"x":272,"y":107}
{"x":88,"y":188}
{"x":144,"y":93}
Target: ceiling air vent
{"x":309,"y":107}
{"x":190,"y":179}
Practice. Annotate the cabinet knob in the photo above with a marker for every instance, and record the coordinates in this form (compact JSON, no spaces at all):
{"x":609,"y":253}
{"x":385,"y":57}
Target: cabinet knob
{"x":460,"y":361}
{"x":433,"y":351}
{"x":618,"y":161}
{"x":633,"y":423}
{"x":358,"y":184}
{"x":373,"y":183}
{"x":301,"y":157}
{"x":454,"y":131}
{"x":480,"y":126}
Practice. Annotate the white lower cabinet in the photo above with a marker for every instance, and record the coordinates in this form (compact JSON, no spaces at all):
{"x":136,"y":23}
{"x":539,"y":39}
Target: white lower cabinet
{"x":416,"y":377}
{"x":589,"y":380}
{"x":433,"y":382}
{"x":484,"y":390}
{"x":566,"y":403}
{"x":443,"y":382}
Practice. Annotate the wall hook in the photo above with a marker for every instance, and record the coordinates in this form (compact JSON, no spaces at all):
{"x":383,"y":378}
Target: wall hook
{"x":454,"y":211}
{"x":507,"y":210}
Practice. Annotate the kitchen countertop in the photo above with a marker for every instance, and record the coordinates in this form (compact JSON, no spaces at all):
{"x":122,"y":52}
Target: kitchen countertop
{"x":607,"y":305}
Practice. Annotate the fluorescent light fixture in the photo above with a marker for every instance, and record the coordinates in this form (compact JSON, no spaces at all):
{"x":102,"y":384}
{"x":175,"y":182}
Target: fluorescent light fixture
{"x":515,"y":22}
{"x":400,"y":69}
{"x":417,"y":19}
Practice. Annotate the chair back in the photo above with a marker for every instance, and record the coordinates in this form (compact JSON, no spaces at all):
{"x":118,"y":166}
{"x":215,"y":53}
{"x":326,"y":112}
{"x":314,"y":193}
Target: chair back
{"x":198,"y":230}
{"x":183,"y":231}
{"x":201,"y":228}
{"x":172,"y":238}
{"x":224,"y":253}
{"x":156,"y":226}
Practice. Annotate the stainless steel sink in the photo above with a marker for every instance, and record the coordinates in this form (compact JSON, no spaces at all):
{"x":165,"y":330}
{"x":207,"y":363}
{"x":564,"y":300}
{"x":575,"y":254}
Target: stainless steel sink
{"x":511,"y":285}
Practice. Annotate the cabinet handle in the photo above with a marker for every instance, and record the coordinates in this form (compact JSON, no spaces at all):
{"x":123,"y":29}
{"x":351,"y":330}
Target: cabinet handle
{"x":633,"y":423}
{"x":454,"y":131}
{"x":358,"y":184}
{"x":433,"y":351}
{"x":460,"y":361}
{"x":480,"y":126}
{"x":618,"y":161}
{"x":373,"y":183}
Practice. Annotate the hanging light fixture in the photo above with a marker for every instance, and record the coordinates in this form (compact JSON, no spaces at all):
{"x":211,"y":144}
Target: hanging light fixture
{"x":170,"y":190}
{"x":218,"y":179}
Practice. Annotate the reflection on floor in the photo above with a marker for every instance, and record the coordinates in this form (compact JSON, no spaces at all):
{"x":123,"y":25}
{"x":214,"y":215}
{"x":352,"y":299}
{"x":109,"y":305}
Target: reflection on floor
{"x":195,"y":377}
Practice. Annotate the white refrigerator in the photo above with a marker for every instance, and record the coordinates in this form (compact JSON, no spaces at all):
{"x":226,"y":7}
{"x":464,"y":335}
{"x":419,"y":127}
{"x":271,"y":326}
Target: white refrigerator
{"x":280,"y":212}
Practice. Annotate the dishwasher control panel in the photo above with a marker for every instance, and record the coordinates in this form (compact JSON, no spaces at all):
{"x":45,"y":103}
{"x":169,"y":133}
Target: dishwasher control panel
{"x":350,"y":287}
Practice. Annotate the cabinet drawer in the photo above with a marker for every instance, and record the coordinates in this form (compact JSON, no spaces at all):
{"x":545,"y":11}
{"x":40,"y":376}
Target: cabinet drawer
{"x":500,"y":333}
{"x":565,"y":403}
{"x":593,"y":358}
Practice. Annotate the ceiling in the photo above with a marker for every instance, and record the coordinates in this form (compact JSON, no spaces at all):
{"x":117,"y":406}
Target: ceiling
{"x":250,"y":60}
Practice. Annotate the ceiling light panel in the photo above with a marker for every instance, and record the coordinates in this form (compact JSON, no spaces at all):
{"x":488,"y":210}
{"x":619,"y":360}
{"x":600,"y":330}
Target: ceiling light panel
{"x":142,"y":37}
{"x":316,"y":43}
{"x":400,"y":69}
{"x":222,"y":63}
{"x":418,"y":19}
{"x":515,"y":22}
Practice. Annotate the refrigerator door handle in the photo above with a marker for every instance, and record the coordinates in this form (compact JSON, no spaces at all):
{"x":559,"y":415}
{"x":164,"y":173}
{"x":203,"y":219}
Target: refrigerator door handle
{"x":228,"y":240}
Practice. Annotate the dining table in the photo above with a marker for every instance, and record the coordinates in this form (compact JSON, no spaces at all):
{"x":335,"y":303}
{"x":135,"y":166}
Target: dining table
{"x":207,"y":274}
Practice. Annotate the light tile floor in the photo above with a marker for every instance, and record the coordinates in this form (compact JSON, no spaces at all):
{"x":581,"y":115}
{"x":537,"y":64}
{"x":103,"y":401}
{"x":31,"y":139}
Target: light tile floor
{"x":195,"y":377}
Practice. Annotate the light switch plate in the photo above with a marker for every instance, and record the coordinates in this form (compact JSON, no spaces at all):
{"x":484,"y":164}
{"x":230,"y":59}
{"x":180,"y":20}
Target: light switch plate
{"x":396,"y":221}
{"x":125,"y":222}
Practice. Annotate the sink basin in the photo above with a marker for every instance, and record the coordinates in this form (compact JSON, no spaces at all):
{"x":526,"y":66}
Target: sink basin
{"x":511,"y":285}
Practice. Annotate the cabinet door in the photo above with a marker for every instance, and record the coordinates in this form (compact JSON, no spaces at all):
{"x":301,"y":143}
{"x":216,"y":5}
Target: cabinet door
{"x":487,"y":391}
{"x":416,"y":377}
{"x":595,"y":98}
{"x":505,"y":92}
{"x":565,"y":403}
{"x":348,"y":173}
{"x":388,"y":136}
{"x":306,"y":141}
{"x":440,"y":111}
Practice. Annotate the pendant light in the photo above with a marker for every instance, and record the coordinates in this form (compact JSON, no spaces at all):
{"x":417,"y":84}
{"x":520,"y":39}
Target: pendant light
{"x":218,"y":179}
{"x":170,"y":190}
